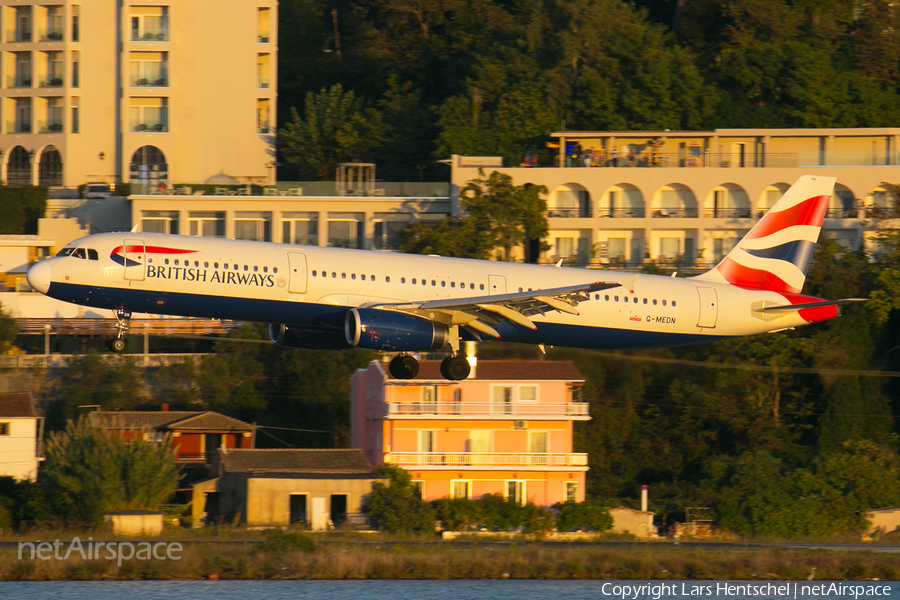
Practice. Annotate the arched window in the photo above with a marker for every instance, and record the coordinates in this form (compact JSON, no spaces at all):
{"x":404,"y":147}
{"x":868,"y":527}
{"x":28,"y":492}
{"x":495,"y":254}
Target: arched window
{"x":50,"y":167}
{"x":18,"y":171}
{"x":148,"y":166}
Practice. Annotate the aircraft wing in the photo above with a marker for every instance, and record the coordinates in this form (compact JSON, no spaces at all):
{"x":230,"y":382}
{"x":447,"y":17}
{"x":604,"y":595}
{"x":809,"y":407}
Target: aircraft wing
{"x":483,"y":313}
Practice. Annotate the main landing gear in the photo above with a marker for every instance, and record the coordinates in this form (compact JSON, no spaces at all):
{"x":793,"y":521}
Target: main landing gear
{"x":455,"y":367}
{"x":123,"y":318}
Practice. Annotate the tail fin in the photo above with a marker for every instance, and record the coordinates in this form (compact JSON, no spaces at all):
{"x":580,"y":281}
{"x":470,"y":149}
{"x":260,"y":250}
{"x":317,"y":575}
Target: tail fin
{"x":775,"y":254}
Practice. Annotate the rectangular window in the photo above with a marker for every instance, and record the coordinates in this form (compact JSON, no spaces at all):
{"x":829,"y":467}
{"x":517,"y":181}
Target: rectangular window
{"x":262,"y":27}
{"x":149,"y":23}
{"x":253,"y":226}
{"x":4,"y":428}
{"x":528,"y":393}
{"x":262,"y":115}
{"x":262,"y":71}
{"x":345,"y":230}
{"x":23,"y":24}
{"x":426,"y":441}
{"x":23,"y":115}
{"x":616,"y":250}
{"x":537,"y":442}
{"x":418,"y":489}
{"x":502,"y":399}
{"x":565,"y":247}
{"x":76,"y":122}
{"x":515,"y":491}
{"x":460,"y":489}
{"x":23,"y":70}
{"x":207,"y":224}
{"x":300,"y":228}
{"x":149,"y":115}
{"x":76,"y":59}
{"x":76,"y":15}
{"x":571,"y":491}
{"x":388,"y":230}
{"x":669,"y":249}
{"x":160,"y":221}
{"x":52,"y":121}
{"x":55,"y":66}
{"x":149,"y":69}
{"x":54,"y":31}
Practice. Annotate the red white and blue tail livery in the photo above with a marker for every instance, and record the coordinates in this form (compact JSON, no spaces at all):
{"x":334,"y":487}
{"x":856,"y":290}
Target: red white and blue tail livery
{"x":315,"y":297}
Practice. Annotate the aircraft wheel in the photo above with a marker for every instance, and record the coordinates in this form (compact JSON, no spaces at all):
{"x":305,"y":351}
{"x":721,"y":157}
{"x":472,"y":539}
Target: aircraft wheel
{"x":117,"y":345}
{"x":456,"y":369}
{"x":403,"y":367}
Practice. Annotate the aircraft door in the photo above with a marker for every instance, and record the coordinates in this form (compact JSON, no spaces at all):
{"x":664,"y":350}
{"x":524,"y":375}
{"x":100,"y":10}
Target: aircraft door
{"x":134,"y":255}
{"x":297,"y":284}
{"x":497,"y":284}
{"x":709,"y":310}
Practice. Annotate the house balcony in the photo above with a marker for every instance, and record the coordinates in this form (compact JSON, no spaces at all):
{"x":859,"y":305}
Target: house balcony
{"x":195,"y":457}
{"x":480,"y":460}
{"x":571,"y":411}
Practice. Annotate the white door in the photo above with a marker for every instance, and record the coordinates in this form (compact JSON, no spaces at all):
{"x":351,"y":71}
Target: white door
{"x":134,"y":254}
{"x":319,"y":520}
{"x":497,"y":284}
{"x":708,"y":310}
{"x":297,"y":261}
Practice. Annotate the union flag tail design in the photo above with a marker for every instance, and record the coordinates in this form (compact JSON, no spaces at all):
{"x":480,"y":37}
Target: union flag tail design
{"x":775,"y":254}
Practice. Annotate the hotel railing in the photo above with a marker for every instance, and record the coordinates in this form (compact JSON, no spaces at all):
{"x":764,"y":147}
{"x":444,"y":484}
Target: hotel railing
{"x":487,"y":459}
{"x":486,"y":409}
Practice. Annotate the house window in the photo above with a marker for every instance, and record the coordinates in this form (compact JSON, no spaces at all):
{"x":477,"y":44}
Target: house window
{"x":262,"y":25}
{"x":426,"y":441}
{"x":76,"y":122}
{"x":262,"y":71}
{"x":160,"y":221}
{"x":300,"y":228}
{"x":52,"y":117}
{"x":528,"y":393}
{"x":537,"y":442}
{"x":429,"y":399}
{"x":149,"y":23}
{"x":253,"y":226}
{"x":149,"y":115}
{"x":571,"y":491}
{"x":262,"y":115}
{"x":207,"y":224}
{"x":418,"y":489}
{"x":515,"y":491}
{"x":54,"y":31}
{"x":502,"y":399}
{"x":76,"y":60}
{"x":345,"y":230}
{"x":76,"y":13}
{"x":4,"y":428}
{"x":149,"y":69}
{"x":55,"y":68}
{"x":388,"y":227}
{"x":460,"y":489}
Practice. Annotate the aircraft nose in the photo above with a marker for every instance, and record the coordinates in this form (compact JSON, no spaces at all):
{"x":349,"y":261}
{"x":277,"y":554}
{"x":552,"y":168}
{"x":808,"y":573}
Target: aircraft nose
{"x":38,"y":277}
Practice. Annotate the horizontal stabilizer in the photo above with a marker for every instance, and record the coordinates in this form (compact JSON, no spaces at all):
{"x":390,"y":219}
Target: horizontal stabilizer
{"x":791,"y":307}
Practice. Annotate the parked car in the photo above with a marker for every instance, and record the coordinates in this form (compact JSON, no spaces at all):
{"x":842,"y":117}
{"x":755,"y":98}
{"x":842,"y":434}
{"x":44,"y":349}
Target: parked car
{"x":97,"y":190}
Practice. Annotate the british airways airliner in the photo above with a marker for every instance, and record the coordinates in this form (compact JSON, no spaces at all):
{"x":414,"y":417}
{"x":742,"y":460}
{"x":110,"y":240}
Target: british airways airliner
{"x":329,"y":298}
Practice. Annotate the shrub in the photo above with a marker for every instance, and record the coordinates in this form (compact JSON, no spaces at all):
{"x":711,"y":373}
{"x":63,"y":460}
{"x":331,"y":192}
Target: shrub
{"x":282,"y":543}
{"x":397,"y":507}
{"x":572,"y":516}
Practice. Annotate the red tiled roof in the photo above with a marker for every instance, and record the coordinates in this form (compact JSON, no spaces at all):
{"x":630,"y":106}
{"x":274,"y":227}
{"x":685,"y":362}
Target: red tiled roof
{"x":508,"y":370}
{"x":16,"y":405}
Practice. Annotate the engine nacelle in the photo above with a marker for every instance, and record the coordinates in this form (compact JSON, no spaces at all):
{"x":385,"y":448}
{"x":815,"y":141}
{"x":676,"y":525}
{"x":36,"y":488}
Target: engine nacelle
{"x":310,"y":338}
{"x":388,"y":330}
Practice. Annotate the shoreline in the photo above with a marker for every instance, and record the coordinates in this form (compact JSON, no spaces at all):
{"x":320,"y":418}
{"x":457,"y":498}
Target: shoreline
{"x":397,"y":560}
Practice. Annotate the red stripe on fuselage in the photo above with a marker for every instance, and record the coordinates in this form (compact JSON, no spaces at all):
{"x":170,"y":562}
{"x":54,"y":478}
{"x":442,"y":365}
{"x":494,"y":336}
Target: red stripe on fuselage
{"x":739,"y":275}
{"x":809,"y":212}
{"x":151,"y":250}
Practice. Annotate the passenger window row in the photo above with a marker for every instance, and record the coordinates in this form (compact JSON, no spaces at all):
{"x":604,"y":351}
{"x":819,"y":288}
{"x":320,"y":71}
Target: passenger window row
{"x":634,"y":300}
{"x":236,"y":267}
{"x":387,"y":279}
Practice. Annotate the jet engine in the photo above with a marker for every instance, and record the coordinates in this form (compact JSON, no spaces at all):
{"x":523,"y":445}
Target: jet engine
{"x":310,"y":338}
{"x":388,"y":330}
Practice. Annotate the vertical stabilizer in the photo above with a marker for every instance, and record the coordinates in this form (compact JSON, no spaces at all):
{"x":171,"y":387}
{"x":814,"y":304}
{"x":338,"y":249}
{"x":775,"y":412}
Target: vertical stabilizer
{"x":775,"y":254}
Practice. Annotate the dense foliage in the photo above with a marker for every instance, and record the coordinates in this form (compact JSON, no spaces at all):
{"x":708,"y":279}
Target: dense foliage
{"x":433,"y":77}
{"x":396,"y":507}
{"x":21,"y":207}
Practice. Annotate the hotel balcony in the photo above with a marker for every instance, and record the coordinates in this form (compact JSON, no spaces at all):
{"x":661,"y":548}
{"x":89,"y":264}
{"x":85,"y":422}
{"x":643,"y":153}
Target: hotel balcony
{"x":574,"y":411}
{"x":456,"y":460}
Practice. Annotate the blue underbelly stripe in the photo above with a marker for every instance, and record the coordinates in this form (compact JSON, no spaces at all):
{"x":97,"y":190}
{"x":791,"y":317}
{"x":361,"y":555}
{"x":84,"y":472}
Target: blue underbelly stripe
{"x":330,"y":316}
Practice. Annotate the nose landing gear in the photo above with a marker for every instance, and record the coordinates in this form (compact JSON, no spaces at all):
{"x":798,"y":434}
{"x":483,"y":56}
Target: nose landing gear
{"x":123,"y":318}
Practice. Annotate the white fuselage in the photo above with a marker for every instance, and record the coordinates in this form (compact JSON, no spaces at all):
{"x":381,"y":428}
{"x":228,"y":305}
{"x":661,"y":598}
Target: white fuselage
{"x":303,"y":285}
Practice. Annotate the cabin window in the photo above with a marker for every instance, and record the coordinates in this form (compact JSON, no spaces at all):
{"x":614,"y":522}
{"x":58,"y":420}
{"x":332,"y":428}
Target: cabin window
{"x":65,"y":252}
{"x":403,"y":280}
{"x":453,"y":284}
{"x":176,"y":262}
{"x":654,"y":302}
{"x":246,"y":268}
{"x":664,"y":302}
{"x":433,"y":282}
{"x":166,"y":261}
{"x":606,"y":297}
{"x":315,"y":274}
{"x":79,"y":253}
{"x":424,"y":282}
{"x":616,"y":298}
{"x":274,"y":269}
{"x":92,"y":254}
{"x":333,"y":275}
{"x":353,"y":276}
{"x":673,"y":303}
{"x":443,"y":284}
{"x":471,"y":286}
{"x":520,"y":289}
{"x":634,"y":299}
{"x":481,"y":286}
{"x":414,"y":281}
{"x":255,"y":269}
{"x":215,"y":265}
{"x":343,"y":276}
{"x":266,"y":270}
{"x":387,"y":278}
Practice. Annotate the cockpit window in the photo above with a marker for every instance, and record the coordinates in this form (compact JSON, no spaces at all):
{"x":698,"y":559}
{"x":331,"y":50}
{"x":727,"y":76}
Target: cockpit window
{"x":65,"y":252}
{"x":79,"y":253}
{"x":92,"y":254}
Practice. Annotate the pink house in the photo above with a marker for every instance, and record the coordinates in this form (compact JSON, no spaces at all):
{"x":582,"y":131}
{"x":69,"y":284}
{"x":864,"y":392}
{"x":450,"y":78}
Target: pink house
{"x":506,"y":429}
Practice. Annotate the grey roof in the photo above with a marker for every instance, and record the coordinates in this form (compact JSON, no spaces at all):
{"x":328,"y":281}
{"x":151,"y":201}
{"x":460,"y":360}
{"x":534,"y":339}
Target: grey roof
{"x":296,"y":461}
{"x":183,"y":420}
{"x":16,"y":405}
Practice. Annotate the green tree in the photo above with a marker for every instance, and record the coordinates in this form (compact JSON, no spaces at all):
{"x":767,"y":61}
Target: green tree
{"x":88,"y":471}
{"x":589,"y":514}
{"x":9,"y":330}
{"x":336,"y":127}
{"x":510,"y":214}
{"x":451,"y":236}
{"x":397,"y":507}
